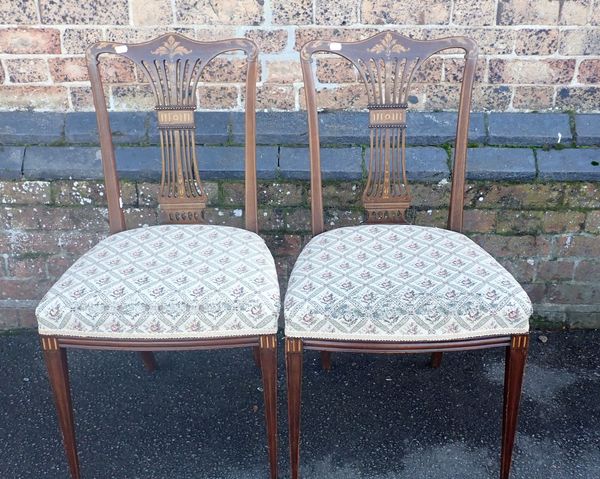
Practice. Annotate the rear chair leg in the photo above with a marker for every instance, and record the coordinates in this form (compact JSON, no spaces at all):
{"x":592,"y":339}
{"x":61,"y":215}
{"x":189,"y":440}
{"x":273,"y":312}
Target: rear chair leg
{"x":326,"y":360}
{"x":268,"y":364}
{"x":436,"y":360}
{"x":58,"y":373}
{"x":516,"y":354}
{"x":256,"y":355}
{"x":293,"y":365}
{"x":149,"y":361}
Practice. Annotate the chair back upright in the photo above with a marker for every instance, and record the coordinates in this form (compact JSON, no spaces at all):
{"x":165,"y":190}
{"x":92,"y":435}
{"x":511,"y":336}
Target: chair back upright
{"x":387,"y":64}
{"x":173,"y":66}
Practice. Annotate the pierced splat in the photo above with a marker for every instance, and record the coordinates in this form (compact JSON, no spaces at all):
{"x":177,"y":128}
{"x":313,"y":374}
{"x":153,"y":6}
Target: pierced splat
{"x":386,"y":64}
{"x":173,"y":65}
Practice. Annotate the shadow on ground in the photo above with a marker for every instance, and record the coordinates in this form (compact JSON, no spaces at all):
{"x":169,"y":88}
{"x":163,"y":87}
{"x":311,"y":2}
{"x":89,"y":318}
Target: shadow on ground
{"x":372,"y":417}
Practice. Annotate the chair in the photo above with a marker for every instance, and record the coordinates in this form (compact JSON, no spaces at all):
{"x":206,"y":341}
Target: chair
{"x":388,"y":286}
{"x":180,"y":285}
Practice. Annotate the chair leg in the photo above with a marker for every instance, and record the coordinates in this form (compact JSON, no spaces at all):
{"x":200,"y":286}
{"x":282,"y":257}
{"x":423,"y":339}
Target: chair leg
{"x":326,"y":360}
{"x":436,"y":360}
{"x":58,"y":373}
{"x":516,"y":355}
{"x":149,"y":361}
{"x":268,"y":365}
{"x":256,"y":355}
{"x":293,"y":364}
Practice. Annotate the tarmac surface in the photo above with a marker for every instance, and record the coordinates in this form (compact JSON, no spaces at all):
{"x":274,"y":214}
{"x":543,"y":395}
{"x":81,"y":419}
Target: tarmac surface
{"x":372,"y":417}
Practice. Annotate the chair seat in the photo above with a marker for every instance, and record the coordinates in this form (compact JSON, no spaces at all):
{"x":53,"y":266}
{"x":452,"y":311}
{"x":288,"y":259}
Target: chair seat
{"x":167,"y":282}
{"x":401,"y":283}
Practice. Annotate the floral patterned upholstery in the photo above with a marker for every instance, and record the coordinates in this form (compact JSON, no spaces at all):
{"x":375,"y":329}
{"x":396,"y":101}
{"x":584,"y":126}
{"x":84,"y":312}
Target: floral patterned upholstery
{"x":401,"y":283}
{"x":169,"y":281}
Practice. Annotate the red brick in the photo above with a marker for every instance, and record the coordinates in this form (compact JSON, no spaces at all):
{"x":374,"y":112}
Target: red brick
{"x":58,"y":264}
{"x":555,"y":270}
{"x":24,"y":242}
{"x":33,"y":97}
{"x":589,"y":72}
{"x":479,"y":221}
{"x":19,"y":289}
{"x":68,"y":69}
{"x":523,"y":71}
{"x":563,"y":221}
{"x":521,"y":269}
{"x":29,"y":40}
{"x":26,"y":70}
{"x":535,"y":291}
{"x":592,"y":222}
{"x":576,"y":245}
{"x":568,"y":293}
{"x":284,"y":245}
{"x":27,"y":266}
{"x":514,"y":246}
{"x":588,"y":270}
{"x":77,"y":243}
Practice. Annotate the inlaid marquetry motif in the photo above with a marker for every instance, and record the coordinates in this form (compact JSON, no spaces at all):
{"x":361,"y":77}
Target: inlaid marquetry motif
{"x":175,"y":118}
{"x":387,"y":116}
{"x":49,"y":343}
{"x":520,"y":342}
{"x":268,"y":342}
{"x":172,"y":48}
{"x":293,"y":345}
{"x":388,"y":46}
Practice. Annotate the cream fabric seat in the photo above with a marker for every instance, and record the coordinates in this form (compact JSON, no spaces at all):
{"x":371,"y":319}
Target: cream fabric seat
{"x":401,"y":283}
{"x":169,"y":281}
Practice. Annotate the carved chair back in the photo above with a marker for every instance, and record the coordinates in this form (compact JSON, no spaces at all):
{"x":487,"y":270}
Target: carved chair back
{"x":386,"y":65}
{"x":173,"y":65}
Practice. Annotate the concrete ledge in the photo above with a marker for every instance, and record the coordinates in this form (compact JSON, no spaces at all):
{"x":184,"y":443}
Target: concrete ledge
{"x":11,"y":162}
{"x":529,"y":129}
{"x":290,"y":128}
{"x":569,"y":165}
{"x":336,"y":163}
{"x":500,"y":164}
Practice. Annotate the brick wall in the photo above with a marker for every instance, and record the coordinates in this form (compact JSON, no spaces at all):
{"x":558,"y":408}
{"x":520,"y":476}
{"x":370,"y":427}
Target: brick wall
{"x":537,"y":54}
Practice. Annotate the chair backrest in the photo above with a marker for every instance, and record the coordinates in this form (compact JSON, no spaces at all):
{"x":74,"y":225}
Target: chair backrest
{"x":173,"y":65}
{"x":386,"y":64}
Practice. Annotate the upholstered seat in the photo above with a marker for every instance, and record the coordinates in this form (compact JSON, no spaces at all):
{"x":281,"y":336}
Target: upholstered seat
{"x":169,"y":281}
{"x":401,"y":283}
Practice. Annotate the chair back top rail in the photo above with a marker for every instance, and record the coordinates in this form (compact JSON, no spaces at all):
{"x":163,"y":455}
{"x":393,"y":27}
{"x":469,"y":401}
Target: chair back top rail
{"x":387,"y":63}
{"x":173,"y":65}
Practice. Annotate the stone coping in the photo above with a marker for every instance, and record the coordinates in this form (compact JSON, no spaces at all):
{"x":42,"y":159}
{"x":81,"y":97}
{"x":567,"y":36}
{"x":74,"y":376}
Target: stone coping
{"x":505,"y":146}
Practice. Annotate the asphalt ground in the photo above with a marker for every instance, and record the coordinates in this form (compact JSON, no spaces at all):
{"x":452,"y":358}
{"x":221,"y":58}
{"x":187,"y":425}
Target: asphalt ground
{"x":372,"y":417}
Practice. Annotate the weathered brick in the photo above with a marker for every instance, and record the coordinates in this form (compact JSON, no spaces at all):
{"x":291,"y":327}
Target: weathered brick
{"x":589,"y":72}
{"x":494,"y":98}
{"x":515,"y":196}
{"x":592,"y":222}
{"x":151,"y":12}
{"x":528,"y":12}
{"x":535,"y":291}
{"x":31,"y":242}
{"x":341,"y":194}
{"x":33,"y":97}
{"x":574,"y":12}
{"x":275,"y":97}
{"x":514,"y":246}
{"x":90,"y":193}
{"x":536,"y":41}
{"x":335,"y":12}
{"x":225,"y":69}
{"x":566,"y":293}
{"x":78,"y":242}
{"x":522,"y":270}
{"x":578,"y":98}
{"x":140,"y":217}
{"x":81,"y":98}
{"x":27,"y":266}
{"x":132,"y":97}
{"x":442,"y":96}
{"x":27,"y":70}
{"x":284,"y":244}
{"x":278,"y":219}
{"x":283,"y":72}
{"x":580,"y":41}
{"x":268,"y":41}
{"x":48,"y":218}
{"x":577,"y":245}
{"x":381,"y":12}
{"x":18,"y":12}
{"x":278,"y":194}
{"x":217,"y":97}
{"x":76,"y":40}
{"x":306,"y":34}
{"x":582,"y":195}
{"x":437,"y":218}
{"x":292,"y":13}
{"x":225,"y":216}
{"x":519,"y":222}
{"x":351,"y":96}
{"x":454,"y":67}
{"x":479,"y":221}
{"x":57,"y":264}
{"x":235,"y":12}
{"x":588,"y":270}
{"x":29,"y":40}
{"x":68,"y":69}
{"x":73,"y":12}
{"x":21,"y":289}
{"x":474,"y":12}
{"x":335,"y":70}
{"x":25,"y":192}
{"x":522,"y":71}
{"x":552,"y":270}
{"x":563,"y":221}
{"x":533,"y":97}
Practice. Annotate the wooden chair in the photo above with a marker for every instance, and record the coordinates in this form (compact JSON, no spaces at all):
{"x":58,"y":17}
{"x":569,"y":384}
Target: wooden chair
{"x":181,"y":285}
{"x":387,"y":286}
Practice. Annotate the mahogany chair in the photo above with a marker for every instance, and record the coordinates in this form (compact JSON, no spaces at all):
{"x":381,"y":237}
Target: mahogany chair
{"x":181,"y":285}
{"x":388,"y":286}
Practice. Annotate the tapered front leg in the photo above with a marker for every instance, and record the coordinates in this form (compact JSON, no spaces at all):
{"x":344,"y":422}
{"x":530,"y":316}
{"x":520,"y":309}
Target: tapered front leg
{"x":58,"y":373}
{"x":268,"y":365}
{"x":293,"y":365}
{"x":516,"y":355}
